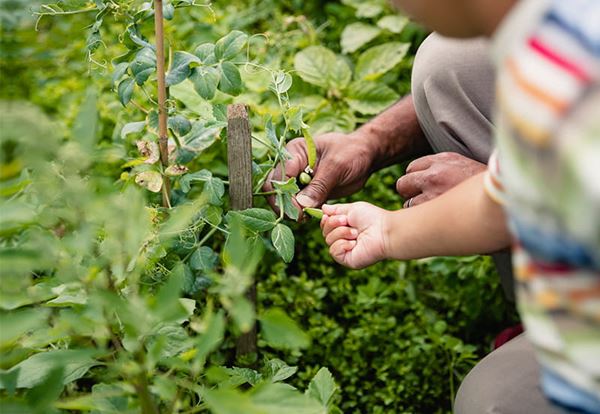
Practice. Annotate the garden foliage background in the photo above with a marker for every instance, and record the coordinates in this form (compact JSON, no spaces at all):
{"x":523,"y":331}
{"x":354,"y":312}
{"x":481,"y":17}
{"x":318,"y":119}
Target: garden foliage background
{"x":111,"y":303}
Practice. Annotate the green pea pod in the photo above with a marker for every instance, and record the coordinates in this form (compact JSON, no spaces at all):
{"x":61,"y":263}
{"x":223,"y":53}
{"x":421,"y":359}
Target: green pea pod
{"x":314,"y":212}
{"x":311,"y":149}
{"x":305,"y":178}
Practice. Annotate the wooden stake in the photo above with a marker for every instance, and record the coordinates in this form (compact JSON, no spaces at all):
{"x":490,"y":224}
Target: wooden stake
{"x":163,"y":134}
{"x":239,"y":158}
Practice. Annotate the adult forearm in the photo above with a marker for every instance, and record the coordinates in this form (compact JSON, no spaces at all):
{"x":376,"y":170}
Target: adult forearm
{"x":394,"y":135}
{"x":464,"y":220}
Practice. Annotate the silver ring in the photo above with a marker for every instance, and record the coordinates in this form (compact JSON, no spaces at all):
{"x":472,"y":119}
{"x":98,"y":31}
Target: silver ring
{"x":409,"y":202}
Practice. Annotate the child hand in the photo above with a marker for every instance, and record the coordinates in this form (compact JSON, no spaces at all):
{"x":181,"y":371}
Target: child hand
{"x":356,"y":233}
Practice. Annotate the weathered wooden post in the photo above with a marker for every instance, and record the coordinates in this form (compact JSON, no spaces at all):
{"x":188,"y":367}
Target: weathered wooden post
{"x":239,"y":158}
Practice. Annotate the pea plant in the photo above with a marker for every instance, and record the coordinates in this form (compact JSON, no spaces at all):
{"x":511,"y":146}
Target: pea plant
{"x":125,"y":295}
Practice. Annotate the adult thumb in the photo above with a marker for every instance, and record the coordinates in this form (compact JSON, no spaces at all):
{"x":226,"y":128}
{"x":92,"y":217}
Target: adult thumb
{"x":317,"y":192}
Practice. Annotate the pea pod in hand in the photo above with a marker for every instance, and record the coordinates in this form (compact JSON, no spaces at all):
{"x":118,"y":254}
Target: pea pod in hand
{"x":314,"y":212}
{"x":305,"y":177}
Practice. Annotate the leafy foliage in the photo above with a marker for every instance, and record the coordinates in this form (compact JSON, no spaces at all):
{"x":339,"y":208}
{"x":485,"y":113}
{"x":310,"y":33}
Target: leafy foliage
{"x":112,"y":303}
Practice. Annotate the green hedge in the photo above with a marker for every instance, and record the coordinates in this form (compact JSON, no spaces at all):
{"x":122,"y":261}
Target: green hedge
{"x":398,"y":336}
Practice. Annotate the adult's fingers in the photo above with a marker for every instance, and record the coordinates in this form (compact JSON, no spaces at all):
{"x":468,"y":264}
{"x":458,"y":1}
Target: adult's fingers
{"x":344,"y":232}
{"x":326,"y":178}
{"x":421,"y":164}
{"x":410,"y":184}
{"x":415,"y":201}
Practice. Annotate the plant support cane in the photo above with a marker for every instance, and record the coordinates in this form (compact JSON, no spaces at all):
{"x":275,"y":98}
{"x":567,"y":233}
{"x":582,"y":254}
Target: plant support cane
{"x":239,"y":159}
{"x":163,"y":136}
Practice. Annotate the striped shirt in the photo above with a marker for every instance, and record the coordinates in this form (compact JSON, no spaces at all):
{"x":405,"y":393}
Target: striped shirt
{"x":546,"y":173}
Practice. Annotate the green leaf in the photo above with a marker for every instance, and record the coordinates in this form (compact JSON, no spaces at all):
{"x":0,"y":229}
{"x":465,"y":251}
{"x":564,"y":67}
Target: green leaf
{"x":329,"y":120}
{"x":36,"y":368}
{"x":187,"y":179}
{"x":206,"y":53}
{"x":205,"y":80}
{"x":143,"y":65}
{"x":214,"y":190}
{"x":315,"y":64}
{"x":370,"y":98}
{"x":132,"y":128}
{"x":231,"y":81}
{"x":281,"y":82}
{"x":16,"y":324}
{"x":277,"y":370}
{"x":201,"y":136}
{"x":180,"y":67}
{"x":184,"y":92}
{"x":212,"y":336}
{"x":283,"y":240}
{"x":204,"y":258}
{"x":255,"y":219}
{"x":180,"y":125}
{"x":322,"y":387}
{"x":378,"y":60}
{"x":125,"y":90}
{"x":85,"y":126}
{"x":393,"y":23}
{"x":230,"y":45}
{"x":168,"y":11}
{"x":341,"y":75}
{"x":119,"y":71}
{"x":281,"y":332}
{"x":242,"y":313}
{"x":356,"y":35}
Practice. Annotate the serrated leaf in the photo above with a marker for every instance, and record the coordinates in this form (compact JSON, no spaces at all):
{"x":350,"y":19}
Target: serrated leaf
{"x":132,"y":128}
{"x":231,"y":80}
{"x":205,"y":80}
{"x":180,"y":67}
{"x":283,"y":241}
{"x":356,"y":35}
{"x":151,"y":180}
{"x":230,"y":45}
{"x":393,"y":23}
{"x":204,"y":259}
{"x":315,"y":65}
{"x":255,"y":219}
{"x":322,"y":387}
{"x":370,"y":98}
{"x":294,"y":117}
{"x":380,"y":59}
{"x":341,"y":75}
{"x":277,"y":370}
{"x":281,"y":332}
{"x":125,"y":91}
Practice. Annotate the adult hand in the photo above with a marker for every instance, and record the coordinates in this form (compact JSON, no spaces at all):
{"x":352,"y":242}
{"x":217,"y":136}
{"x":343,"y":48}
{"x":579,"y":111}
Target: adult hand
{"x":430,"y":176}
{"x":355,"y":233}
{"x":342,"y":167}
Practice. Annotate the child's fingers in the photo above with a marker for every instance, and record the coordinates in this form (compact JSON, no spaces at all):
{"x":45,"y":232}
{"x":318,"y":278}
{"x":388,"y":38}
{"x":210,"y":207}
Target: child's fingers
{"x":333,"y":209}
{"x":333,"y":222}
{"x":340,"y":248}
{"x":343,"y":232}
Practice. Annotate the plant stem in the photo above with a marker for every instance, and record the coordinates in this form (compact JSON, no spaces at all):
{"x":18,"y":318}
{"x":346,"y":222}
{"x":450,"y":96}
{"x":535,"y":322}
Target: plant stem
{"x":163,"y":135}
